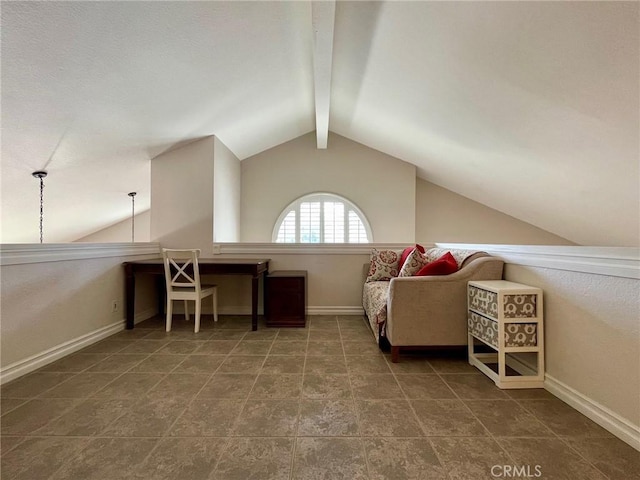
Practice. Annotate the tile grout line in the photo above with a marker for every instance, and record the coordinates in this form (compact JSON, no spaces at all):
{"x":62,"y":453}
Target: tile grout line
{"x":497,"y":438}
{"x":490,"y":435}
{"x":166,"y":432}
{"x":294,"y":447}
{"x":84,"y":399}
{"x":356,"y":409}
{"x":230,"y":436}
{"x":75,"y":374}
{"x":164,"y":435}
{"x":408,"y":400}
{"x":563,"y":439}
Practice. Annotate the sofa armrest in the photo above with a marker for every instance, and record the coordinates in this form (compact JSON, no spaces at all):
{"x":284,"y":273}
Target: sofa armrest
{"x":432,"y":310}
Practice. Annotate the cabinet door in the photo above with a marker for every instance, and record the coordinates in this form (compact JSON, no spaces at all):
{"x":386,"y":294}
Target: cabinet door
{"x":286,"y":299}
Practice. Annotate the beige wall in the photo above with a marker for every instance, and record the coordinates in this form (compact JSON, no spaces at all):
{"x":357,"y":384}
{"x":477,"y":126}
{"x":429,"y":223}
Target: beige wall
{"x":47,"y":304}
{"x":383,"y":187}
{"x":121,"y":231}
{"x":399,"y":206}
{"x":226,"y":194}
{"x":182,"y":196}
{"x":592,"y":334}
{"x":334,"y":282}
{"x":445,"y":216}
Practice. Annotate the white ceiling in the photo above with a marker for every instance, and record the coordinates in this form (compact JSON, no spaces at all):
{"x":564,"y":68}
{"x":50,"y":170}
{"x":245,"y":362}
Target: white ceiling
{"x":528,"y":107}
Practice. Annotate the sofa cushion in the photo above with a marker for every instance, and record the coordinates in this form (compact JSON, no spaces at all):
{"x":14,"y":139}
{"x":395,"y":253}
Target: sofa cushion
{"x":406,"y":252}
{"x":384,"y":265}
{"x":444,"y":265}
{"x":414,"y":262}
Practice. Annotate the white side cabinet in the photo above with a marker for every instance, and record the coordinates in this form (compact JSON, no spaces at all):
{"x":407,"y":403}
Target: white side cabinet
{"x":506,"y":332}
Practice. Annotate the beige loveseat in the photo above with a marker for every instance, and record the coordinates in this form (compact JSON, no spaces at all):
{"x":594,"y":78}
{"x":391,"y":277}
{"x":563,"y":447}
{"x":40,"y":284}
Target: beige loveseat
{"x":426,"y":311}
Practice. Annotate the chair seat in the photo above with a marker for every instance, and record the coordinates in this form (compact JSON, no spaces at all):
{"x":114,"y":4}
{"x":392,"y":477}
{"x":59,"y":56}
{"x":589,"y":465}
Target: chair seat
{"x":208,"y":289}
{"x":188,"y":293}
{"x":192,"y":289}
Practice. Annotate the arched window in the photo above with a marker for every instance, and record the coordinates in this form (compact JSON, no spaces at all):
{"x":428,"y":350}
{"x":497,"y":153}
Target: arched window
{"x":322,"y":218}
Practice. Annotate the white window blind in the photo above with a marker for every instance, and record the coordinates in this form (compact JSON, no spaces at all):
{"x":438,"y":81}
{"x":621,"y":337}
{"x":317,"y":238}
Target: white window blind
{"x":333,"y":222}
{"x":310,"y":220}
{"x":322,"y":218}
{"x":287,"y":230}
{"x":357,"y":232}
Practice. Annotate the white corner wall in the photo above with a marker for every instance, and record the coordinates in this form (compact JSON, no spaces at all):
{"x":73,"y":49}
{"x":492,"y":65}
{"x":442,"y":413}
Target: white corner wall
{"x":121,"y":231}
{"x":383,"y":187}
{"x":226,"y":194}
{"x":445,"y":216}
{"x":592,"y":334}
{"x":182,"y":196}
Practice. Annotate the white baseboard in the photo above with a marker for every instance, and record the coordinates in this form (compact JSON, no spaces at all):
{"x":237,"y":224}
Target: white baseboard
{"x":335,"y":310}
{"x":607,"y":419}
{"x":312,"y":310}
{"x":29,"y":364}
{"x":34,"y":362}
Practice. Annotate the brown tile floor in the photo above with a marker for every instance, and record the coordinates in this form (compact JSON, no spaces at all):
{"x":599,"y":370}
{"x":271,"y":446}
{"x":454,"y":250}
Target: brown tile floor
{"x":316,"y":403}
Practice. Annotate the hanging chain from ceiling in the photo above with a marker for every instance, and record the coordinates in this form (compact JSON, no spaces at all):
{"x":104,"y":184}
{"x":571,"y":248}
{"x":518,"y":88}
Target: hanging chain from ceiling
{"x":41,"y":175}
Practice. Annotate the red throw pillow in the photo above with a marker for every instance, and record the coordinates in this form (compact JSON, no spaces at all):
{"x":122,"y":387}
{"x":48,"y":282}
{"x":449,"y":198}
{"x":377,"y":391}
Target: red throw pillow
{"x":406,"y":252}
{"x":444,"y":265}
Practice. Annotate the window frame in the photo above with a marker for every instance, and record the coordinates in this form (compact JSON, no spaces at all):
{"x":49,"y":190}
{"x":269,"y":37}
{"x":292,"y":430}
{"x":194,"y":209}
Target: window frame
{"x":349,"y":206}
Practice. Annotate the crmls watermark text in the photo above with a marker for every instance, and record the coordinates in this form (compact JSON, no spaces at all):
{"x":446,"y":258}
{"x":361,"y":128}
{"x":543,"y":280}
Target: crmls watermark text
{"x":519,"y":471}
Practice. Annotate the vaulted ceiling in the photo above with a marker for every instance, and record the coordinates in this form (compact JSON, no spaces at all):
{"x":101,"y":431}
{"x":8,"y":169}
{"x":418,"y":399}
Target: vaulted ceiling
{"x":530,"y":108}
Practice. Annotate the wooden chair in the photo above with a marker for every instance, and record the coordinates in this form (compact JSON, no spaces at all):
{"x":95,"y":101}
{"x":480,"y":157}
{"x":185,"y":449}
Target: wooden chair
{"x":182,"y":276}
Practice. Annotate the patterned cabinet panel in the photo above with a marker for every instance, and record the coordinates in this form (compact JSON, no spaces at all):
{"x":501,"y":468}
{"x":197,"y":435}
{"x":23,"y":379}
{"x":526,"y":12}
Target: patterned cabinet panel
{"x":520,"y":306}
{"x":483,"y":328}
{"x":515,"y":334}
{"x":513,"y":306}
{"x":483,"y":301}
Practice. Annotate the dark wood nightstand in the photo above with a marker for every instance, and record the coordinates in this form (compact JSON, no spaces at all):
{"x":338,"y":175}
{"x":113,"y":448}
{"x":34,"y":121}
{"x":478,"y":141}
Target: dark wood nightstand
{"x":286,"y":298}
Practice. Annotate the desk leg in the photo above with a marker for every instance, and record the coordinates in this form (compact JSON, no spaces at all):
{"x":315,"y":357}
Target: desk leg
{"x":130,"y":293}
{"x":161,"y":289}
{"x":255,"y":281}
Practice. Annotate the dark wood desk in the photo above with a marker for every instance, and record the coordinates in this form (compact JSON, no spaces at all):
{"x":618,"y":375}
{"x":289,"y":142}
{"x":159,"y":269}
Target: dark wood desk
{"x":208,"y":266}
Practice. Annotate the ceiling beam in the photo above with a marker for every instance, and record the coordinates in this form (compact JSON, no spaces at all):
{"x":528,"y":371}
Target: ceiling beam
{"x":323,"y":14}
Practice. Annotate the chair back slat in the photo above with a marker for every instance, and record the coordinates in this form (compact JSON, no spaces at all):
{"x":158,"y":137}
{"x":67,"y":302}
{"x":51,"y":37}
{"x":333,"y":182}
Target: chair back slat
{"x":181,"y":277}
{"x":181,"y":268}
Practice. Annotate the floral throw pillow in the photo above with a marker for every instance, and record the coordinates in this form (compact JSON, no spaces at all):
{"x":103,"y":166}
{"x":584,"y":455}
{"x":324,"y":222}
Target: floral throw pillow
{"x":407,"y":251}
{"x":383,"y":266}
{"x":414,"y":262}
